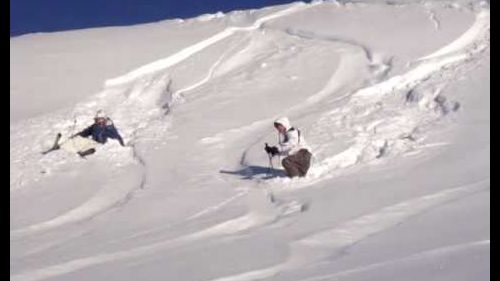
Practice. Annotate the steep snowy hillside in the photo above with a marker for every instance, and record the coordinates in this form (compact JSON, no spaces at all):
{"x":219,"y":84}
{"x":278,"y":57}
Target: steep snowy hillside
{"x":392,"y":98}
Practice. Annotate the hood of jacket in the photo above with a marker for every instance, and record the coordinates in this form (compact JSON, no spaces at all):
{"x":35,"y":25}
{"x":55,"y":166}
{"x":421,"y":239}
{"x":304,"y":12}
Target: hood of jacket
{"x":284,"y":121}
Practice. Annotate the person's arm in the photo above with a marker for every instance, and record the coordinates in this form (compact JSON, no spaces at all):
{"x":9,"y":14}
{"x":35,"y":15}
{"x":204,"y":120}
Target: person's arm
{"x":113,"y":133}
{"x":85,"y":133}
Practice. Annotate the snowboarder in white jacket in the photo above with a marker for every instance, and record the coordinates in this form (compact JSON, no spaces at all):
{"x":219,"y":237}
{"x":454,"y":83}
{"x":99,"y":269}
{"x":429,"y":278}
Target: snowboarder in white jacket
{"x":293,"y":146}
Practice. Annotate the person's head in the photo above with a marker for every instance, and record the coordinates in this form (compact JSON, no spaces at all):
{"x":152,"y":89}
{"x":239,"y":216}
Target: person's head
{"x":100,"y":118}
{"x":282,"y":125}
{"x":281,"y":129}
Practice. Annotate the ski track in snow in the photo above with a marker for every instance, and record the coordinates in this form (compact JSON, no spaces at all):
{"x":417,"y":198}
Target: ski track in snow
{"x":256,"y":217}
{"x":106,"y":198}
{"x":372,"y":141}
{"x":304,"y":251}
{"x":481,"y":27}
{"x":340,"y":78}
{"x":313,"y":36}
{"x":204,"y":212}
{"x":177,"y":96}
{"x":320,"y":245}
{"x":193,"y":49}
{"x":442,"y":252}
{"x":432,"y":16}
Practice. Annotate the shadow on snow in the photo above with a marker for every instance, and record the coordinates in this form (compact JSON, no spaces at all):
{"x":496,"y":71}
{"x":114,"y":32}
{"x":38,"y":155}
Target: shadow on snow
{"x":253,"y":172}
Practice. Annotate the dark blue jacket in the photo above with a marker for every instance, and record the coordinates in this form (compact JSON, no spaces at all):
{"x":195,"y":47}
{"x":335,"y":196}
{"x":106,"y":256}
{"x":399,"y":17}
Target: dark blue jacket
{"x":101,"y":133}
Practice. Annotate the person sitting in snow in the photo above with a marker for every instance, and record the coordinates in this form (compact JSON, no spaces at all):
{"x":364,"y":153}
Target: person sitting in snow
{"x":293,"y":146}
{"x":102,"y":129}
{"x":85,"y":142}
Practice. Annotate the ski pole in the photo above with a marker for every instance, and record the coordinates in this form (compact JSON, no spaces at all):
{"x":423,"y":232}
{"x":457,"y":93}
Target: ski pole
{"x":270,"y":161}
{"x":74,"y":125}
{"x":73,"y":128}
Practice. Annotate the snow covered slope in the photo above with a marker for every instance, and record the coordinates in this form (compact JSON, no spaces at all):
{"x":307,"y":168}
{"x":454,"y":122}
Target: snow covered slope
{"x":393,"y":99}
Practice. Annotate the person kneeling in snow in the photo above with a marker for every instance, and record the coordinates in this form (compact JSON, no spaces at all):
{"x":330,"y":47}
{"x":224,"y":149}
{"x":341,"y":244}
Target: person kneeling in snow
{"x":292,"y":145}
{"x":100,"y":131}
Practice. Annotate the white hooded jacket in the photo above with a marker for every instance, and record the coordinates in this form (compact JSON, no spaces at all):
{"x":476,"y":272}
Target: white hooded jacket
{"x":292,"y":140}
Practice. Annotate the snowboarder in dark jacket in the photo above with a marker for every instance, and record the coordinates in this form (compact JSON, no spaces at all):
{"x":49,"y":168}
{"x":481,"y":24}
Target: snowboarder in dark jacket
{"x":80,"y":143}
{"x":102,"y":129}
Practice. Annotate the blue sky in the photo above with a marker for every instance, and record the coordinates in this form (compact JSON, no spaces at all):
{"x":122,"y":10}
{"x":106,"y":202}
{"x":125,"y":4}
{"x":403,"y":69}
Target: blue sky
{"x":28,"y":16}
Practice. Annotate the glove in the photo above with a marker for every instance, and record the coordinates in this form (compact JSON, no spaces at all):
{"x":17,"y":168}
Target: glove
{"x":273,"y":150}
